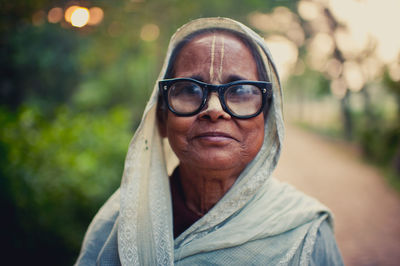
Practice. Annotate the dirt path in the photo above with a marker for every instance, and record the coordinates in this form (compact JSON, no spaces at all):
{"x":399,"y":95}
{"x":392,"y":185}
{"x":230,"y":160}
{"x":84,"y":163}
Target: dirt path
{"x":367,"y":211}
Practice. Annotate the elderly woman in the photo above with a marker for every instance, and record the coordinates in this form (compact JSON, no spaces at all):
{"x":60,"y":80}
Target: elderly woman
{"x":197,"y":185}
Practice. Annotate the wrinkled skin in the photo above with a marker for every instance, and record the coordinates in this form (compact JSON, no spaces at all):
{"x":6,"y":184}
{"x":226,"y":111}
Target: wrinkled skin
{"x":213,"y":148}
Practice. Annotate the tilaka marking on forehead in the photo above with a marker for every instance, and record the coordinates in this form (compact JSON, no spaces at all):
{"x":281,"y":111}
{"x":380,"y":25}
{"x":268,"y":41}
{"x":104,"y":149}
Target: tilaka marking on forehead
{"x":221,"y":59}
{"x":212,"y":58}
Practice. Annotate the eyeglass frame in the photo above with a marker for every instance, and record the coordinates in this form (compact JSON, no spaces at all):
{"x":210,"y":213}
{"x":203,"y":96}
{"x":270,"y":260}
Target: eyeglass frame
{"x":264,"y":86}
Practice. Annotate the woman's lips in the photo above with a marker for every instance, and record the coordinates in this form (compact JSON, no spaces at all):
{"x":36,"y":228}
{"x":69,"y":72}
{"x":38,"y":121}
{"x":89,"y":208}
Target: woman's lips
{"x":214,"y":137}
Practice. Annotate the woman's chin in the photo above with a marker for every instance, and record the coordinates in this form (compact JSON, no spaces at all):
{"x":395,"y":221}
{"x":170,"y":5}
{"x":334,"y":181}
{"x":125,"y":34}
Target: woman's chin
{"x":217,"y":162}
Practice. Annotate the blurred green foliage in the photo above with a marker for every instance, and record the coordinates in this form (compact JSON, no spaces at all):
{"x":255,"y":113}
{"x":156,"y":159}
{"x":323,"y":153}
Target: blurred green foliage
{"x":56,"y":174}
{"x":379,"y":134}
{"x":35,"y":62}
{"x":312,"y":84}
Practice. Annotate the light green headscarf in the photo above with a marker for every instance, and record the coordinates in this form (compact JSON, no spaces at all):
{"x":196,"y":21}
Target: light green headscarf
{"x":258,"y":221}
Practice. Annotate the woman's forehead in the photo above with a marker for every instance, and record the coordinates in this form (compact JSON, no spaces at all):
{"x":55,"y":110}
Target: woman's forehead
{"x":215,"y":40}
{"x":214,"y":54}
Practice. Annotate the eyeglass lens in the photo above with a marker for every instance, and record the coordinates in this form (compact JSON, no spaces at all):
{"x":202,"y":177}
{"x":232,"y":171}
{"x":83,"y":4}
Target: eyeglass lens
{"x":186,"y":97}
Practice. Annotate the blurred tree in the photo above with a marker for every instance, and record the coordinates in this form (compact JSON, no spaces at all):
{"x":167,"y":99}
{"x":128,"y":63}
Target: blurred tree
{"x":55,"y":175}
{"x":37,"y":65}
{"x":338,"y":59}
{"x":394,"y":87}
{"x":35,"y":57}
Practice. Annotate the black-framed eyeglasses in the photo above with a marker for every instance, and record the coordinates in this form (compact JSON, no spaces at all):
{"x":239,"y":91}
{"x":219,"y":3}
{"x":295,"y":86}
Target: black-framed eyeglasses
{"x":241,"y":99}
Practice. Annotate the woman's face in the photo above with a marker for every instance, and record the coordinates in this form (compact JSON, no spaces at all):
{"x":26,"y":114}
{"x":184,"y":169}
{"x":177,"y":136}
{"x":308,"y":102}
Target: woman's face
{"x":213,"y":139}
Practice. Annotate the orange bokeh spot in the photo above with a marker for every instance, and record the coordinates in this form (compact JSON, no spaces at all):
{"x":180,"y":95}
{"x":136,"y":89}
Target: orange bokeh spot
{"x":149,"y":32}
{"x":55,"y":15}
{"x":96,"y":15}
{"x":68,"y":13}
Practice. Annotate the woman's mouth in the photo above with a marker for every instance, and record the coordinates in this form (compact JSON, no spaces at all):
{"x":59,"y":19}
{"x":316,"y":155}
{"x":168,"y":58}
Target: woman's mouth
{"x":214,"y":137}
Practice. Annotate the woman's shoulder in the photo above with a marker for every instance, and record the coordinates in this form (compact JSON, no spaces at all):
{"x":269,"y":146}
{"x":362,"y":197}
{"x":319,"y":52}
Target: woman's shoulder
{"x":323,"y":248}
{"x":326,"y":251}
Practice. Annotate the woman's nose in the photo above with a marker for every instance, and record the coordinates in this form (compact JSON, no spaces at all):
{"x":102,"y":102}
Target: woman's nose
{"x":213,"y":109}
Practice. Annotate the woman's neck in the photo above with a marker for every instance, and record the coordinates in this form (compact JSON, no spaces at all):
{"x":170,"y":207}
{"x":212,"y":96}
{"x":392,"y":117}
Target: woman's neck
{"x":204,"y":188}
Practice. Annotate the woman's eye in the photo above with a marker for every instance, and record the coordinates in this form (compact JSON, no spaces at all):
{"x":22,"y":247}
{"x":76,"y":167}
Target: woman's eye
{"x":186,"y":89}
{"x":239,"y":90}
{"x":242,"y":90}
{"x":192,"y":90}
{"x":243,"y":93}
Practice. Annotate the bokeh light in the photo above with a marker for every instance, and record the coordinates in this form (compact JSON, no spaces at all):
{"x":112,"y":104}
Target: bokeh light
{"x":333,"y":68}
{"x":309,"y":10}
{"x":285,"y":54}
{"x":68,"y":13}
{"x":280,"y":20}
{"x":261,"y":21}
{"x":338,"y":87}
{"x":80,"y":17}
{"x":38,"y":18}
{"x":55,"y":15}
{"x":353,"y":75}
{"x":372,"y":67}
{"x":149,"y":32}
{"x":371,"y":19}
{"x":394,"y":71}
{"x":296,"y":34}
{"x":283,"y":18}
{"x":96,"y":15}
{"x":321,"y":47}
{"x":349,"y":43}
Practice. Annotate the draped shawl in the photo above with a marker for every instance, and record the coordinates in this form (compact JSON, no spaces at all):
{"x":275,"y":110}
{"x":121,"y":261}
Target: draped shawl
{"x":258,"y":220}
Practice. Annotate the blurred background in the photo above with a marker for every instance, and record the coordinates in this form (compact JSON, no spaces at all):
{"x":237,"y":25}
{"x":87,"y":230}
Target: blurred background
{"x":75,"y":77}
